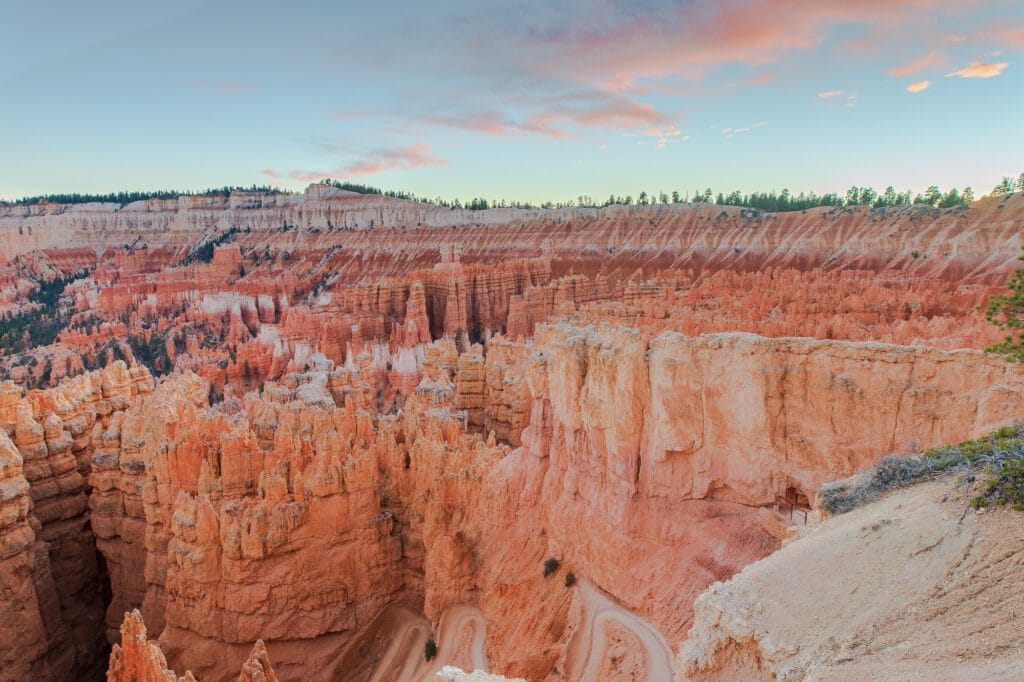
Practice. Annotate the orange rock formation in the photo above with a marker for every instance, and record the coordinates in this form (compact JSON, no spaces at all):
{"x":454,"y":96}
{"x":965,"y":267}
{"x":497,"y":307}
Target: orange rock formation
{"x":357,"y":441}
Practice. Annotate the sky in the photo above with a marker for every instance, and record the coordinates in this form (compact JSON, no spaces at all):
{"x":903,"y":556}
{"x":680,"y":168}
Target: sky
{"x":527,"y":100}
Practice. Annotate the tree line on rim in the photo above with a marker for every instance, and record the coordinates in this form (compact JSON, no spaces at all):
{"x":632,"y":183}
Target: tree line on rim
{"x":766,"y":201}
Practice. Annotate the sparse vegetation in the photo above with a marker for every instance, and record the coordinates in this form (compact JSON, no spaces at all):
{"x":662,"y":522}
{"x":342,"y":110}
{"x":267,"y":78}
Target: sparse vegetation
{"x":570,"y":579}
{"x":1008,"y":185}
{"x":203,"y":251}
{"x":429,"y":649}
{"x":41,"y":325}
{"x":151,"y":352}
{"x":123,"y":198}
{"x":1006,"y":311}
{"x":1000,"y":452}
{"x":550,"y":566}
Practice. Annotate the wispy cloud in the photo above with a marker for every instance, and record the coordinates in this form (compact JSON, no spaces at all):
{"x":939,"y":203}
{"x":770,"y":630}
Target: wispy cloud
{"x":830,"y":94}
{"x":546,"y":115}
{"x":369,"y":163}
{"x":662,"y":39}
{"x":980,"y":70}
{"x":923,"y":62}
{"x":763,"y":78}
{"x":919,"y":86}
{"x":670,"y":131}
{"x":224,"y":86}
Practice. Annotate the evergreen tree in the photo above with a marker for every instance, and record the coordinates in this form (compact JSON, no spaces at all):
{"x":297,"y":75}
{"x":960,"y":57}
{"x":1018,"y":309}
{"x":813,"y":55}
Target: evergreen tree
{"x":950,"y":199}
{"x":1005,"y":186}
{"x":1007,"y":312}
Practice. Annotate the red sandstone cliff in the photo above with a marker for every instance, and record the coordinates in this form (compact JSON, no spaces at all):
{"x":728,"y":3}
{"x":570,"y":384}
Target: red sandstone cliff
{"x":664,"y":451}
{"x":396,"y":445}
{"x":54,"y":446}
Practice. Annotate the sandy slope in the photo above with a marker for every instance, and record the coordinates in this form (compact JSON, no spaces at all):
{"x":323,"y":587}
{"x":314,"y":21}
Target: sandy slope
{"x":908,"y":587}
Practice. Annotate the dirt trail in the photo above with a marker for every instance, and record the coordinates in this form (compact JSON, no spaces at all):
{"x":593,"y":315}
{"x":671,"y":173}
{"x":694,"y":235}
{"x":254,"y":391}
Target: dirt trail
{"x":405,"y":652}
{"x":589,"y":645}
{"x":461,"y":639}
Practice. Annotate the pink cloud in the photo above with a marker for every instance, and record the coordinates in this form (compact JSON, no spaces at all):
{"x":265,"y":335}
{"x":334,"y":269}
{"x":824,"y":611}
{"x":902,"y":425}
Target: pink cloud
{"x":487,"y":122}
{"x":1011,"y":36}
{"x":687,"y":41}
{"x":923,"y":62}
{"x":670,"y":131}
{"x":546,"y":115}
{"x":591,"y":108}
{"x":919,"y":86}
{"x":980,"y":70}
{"x":412,"y":156}
{"x":830,"y":94}
{"x":763,"y":78}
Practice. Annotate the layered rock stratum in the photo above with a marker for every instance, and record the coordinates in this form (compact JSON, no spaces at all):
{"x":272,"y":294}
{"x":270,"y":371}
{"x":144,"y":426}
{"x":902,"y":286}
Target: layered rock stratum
{"x":313,"y":436}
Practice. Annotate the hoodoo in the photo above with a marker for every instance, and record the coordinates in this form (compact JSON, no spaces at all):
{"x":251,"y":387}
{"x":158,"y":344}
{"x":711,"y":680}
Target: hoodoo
{"x":525,"y":462}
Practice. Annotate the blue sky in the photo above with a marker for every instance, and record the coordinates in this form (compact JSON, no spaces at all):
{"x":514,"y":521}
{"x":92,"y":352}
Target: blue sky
{"x":524,"y":99}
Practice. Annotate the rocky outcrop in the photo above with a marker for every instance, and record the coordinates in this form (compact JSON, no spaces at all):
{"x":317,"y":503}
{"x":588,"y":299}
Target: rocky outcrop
{"x":138,"y":659}
{"x":450,"y":673}
{"x":27,"y":649}
{"x":916,"y":585}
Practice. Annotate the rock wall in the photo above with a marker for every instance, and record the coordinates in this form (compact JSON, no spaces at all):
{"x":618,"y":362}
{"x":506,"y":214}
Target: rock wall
{"x":52,"y":433}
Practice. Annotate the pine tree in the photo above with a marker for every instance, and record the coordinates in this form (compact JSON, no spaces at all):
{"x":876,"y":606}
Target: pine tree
{"x":1005,"y":186}
{"x":951,"y":198}
{"x":1006,"y":311}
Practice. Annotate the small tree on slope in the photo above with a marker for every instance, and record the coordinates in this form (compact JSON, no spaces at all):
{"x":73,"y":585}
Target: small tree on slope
{"x":1007,"y":312}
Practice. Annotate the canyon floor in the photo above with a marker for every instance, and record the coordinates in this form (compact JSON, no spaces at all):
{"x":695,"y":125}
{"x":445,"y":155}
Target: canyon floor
{"x":311,"y":436}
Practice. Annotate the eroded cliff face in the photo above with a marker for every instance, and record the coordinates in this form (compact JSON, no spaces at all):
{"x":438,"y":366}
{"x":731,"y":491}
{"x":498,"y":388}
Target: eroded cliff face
{"x":666,"y":452}
{"x":47,"y":465}
{"x":360,"y":441}
{"x":951,"y":244}
{"x":646,"y":468}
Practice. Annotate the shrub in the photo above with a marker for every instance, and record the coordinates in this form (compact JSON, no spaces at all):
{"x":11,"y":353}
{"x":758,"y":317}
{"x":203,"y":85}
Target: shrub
{"x":550,"y":566}
{"x":1005,"y":484}
{"x":1002,"y":451}
{"x":429,"y":649}
{"x":570,"y":579}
